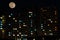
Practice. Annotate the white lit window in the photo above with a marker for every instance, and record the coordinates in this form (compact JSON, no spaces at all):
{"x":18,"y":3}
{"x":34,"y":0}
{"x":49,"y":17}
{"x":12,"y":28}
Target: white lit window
{"x":30,"y":12}
{"x":9,"y":16}
{"x":31,"y":33}
{"x":24,"y":25}
{"x":45,"y":33}
{"x":29,"y":15}
{"x":43,"y":30}
{"x":17,"y":34}
{"x":49,"y":19}
{"x":13,"y":34}
{"x":34,"y":39}
{"x":13,"y":18}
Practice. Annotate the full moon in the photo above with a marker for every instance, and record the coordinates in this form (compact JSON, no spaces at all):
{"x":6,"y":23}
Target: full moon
{"x":12,"y":5}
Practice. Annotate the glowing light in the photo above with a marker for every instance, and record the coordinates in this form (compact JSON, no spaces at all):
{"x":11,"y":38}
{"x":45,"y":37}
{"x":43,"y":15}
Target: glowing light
{"x":50,"y":33}
{"x":20,"y":20}
{"x":22,"y":35}
{"x":13,"y":18}
{"x":13,"y":34}
{"x":49,"y":30}
{"x":41,"y":26}
{"x":55,"y":13}
{"x":30,"y":12}
{"x":24,"y":25}
{"x":17,"y":34}
{"x":3,"y":21}
{"x":55,"y":28}
{"x":19,"y":26}
{"x":45,"y":33}
{"x":31,"y":33}
{"x":9,"y":33}
{"x":14,"y":28}
{"x":3,"y":30}
{"x":34,"y":29}
{"x":1,"y":24}
{"x":48,"y":24}
{"x":9,"y":24}
{"x":43,"y":30}
{"x":12,"y":5}
{"x":29,"y":15}
{"x":18,"y":38}
{"x":34,"y":39}
{"x":55,"y":21}
{"x":49,"y":19}
{"x":9,"y":16}
{"x":1,"y":17}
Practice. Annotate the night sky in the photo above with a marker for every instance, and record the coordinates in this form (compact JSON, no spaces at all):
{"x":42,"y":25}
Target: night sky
{"x":28,"y":4}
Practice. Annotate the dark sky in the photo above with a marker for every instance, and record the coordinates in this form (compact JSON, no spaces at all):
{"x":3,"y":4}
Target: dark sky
{"x":20,"y":4}
{"x":29,"y":3}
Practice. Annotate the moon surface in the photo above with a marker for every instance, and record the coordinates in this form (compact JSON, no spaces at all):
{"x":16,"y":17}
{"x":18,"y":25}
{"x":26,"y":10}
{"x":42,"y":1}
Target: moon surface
{"x":12,"y":5}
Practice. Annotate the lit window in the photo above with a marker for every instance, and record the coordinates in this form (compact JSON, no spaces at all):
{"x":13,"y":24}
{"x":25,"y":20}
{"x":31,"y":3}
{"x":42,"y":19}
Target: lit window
{"x":22,"y":35}
{"x":34,"y":39}
{"x":1,"y":17}
{"x":30,"y":12}
{"x":20,"y":20}
{"x":31,"y":33}
{"x":13,"y":34}
{"x":45,"y":33}
{"x":55,"y":21}
{"x":13,"y":18}
{"x":24,"y":25}
{"x":9,"y":24}
{"x":41,"y":26}
{"x":1,"y":24}
{"x":18,"y":38}
{"x":55,"y":13}
{"x":50,"y":33}
{"x":14,"y":28}
{"x":48,"y":24}
{"x":1,"y":28}
{"x":43,"y":30}
{"x":49,"y":19}
{"x":29,"y":15}
{"x":24,"y":38}
{"x":17,"y":34}
{"x":34,"y":29}
{"x":9,"y":16}
{"x":9,"y":33}
{"x":19,"y":26}
{"x":49,"y":30}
